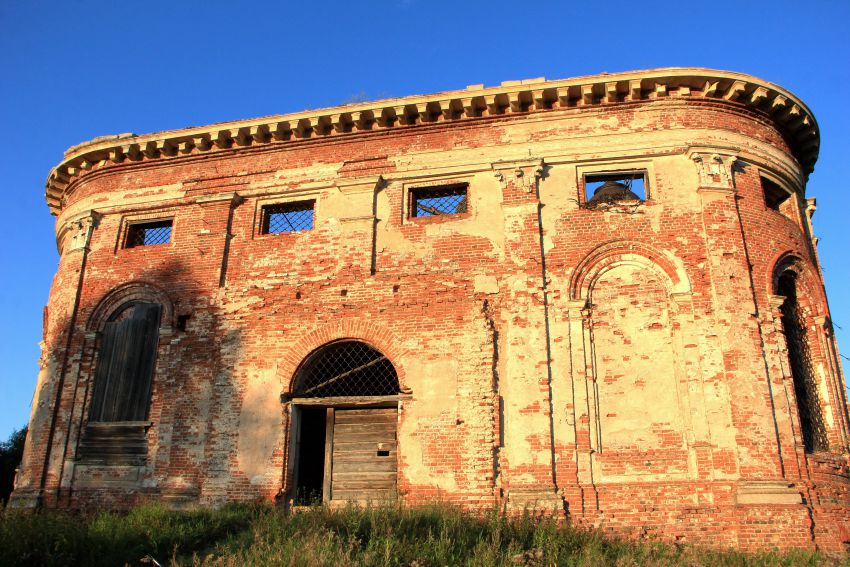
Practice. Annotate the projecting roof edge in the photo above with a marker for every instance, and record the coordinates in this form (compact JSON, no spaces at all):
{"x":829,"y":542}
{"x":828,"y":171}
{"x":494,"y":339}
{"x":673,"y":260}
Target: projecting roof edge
{"x":510,"y":97}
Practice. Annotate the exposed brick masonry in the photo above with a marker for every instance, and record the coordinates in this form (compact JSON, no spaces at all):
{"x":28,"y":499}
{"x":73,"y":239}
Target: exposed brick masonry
{"x":622,"y":367}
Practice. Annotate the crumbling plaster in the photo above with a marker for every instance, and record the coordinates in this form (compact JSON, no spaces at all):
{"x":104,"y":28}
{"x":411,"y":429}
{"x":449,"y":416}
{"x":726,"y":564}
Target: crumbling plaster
{"x":622,"y":367}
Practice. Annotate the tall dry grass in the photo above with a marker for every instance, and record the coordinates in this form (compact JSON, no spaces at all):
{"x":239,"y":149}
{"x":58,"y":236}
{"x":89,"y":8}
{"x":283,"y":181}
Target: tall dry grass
{"x":259,"y":535}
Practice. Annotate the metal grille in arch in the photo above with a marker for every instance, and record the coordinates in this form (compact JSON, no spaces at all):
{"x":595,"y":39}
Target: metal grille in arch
{"x":346,"y":368}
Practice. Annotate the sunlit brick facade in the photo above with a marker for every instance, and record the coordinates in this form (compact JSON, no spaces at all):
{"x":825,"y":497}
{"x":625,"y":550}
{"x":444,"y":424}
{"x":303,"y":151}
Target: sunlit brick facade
{"x":660,"y":362}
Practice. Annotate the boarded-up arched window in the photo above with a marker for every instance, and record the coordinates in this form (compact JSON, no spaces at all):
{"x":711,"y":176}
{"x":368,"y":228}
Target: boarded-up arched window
{"x":125,"y":363}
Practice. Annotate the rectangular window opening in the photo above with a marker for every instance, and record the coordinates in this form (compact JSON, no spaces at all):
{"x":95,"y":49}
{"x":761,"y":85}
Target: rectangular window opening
{"x":774,"y":195}
{"x":149,"y":233}
{"x":438,"y":201}
{"x":615,"y":187}
{"x":287,"y":217}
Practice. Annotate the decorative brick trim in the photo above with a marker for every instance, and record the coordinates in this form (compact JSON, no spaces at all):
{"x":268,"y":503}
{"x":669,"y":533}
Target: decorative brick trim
{"x":133,"y":291}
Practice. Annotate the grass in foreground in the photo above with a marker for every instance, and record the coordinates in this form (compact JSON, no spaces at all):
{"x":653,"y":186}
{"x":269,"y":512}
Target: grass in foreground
{"x":260,"y":535}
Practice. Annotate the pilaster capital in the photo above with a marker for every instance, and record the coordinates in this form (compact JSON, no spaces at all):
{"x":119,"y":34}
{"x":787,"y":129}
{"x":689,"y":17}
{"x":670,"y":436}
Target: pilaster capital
{"x":524,"y":173}
{"x":824,"y":323}
{"x":76,"y":232}
{"x":811,"y":207}
{"x":359,"y":193}
{"x":231,"y":196}
{"x":367,"y":184}
{"x":714,"y":167}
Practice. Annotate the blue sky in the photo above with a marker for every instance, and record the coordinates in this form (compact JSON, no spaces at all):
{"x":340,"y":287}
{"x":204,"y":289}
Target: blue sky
{"x":74,"y":70}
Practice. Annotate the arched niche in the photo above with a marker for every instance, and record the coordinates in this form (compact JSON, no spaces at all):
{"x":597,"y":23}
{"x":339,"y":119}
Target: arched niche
{"x":635,"y":304}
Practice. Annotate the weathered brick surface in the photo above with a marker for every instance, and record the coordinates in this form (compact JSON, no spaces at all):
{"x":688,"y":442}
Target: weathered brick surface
{"x":625,"y":367}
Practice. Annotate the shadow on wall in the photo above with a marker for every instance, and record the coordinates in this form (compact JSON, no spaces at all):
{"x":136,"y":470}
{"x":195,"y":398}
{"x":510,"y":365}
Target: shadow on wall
{"x":186,"y":452}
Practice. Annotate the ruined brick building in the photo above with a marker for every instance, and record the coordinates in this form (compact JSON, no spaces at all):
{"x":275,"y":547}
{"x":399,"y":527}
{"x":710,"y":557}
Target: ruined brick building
{"x":598,"y":297}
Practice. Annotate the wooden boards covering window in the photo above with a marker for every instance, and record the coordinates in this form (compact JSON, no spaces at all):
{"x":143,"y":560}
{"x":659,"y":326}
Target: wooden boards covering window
{"x":125,"y":363}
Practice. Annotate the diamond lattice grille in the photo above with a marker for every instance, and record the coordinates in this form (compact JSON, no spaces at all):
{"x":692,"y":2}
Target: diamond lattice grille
{"x":287,"y":217}
{"x":346,"y":368}
{"x":149,"y":233}
{"x":439,"y":201}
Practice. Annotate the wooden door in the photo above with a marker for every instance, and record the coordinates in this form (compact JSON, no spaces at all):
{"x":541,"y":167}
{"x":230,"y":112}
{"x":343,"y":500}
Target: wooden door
{"x":363,"y":455}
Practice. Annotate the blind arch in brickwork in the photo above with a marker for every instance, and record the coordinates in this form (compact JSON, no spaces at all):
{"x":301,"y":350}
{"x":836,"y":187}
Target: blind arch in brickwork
{"x":610,"y":255}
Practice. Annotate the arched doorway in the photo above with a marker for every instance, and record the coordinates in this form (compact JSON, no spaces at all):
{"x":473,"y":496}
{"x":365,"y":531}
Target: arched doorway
{"x":345,"y":418}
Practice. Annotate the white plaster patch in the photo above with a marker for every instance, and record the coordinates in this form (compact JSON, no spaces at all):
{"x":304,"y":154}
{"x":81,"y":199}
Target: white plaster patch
{"x":259,"y":425}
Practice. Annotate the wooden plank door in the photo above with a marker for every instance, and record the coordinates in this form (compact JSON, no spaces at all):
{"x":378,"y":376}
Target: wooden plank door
{"x":364,"y":464}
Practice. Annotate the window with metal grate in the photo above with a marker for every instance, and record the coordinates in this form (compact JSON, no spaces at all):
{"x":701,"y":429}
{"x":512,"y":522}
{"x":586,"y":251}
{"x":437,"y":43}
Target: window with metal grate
{"x":287,"y":217}
{"x":148,"y":233}
{"x":346,"y":368}
{"x":436,"y":201}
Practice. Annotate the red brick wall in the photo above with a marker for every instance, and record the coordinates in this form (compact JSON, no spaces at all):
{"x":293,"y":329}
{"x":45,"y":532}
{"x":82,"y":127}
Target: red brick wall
{"x":517,"y":387}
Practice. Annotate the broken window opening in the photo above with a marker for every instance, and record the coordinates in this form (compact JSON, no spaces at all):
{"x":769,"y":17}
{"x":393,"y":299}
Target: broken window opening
{"x":288,"y":217}
{"x":802,"y":367}
{"x":438,"y":201}
{"x":148,"y":233}
{"x":774,"y":195}
{"x":346,"y":368}
{"x":616,"y":187}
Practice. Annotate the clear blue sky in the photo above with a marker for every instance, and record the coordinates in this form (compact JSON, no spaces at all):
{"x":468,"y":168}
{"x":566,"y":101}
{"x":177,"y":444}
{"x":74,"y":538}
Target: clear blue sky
{"x":74,"y":70}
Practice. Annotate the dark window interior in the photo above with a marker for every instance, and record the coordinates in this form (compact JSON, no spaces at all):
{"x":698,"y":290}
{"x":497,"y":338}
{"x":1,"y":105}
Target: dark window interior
{"x":287,"y":217}
{"x":774,"y":195}
{"x":437,"y":201}
{"x":149,"y":233}
{"x":125,"y":363}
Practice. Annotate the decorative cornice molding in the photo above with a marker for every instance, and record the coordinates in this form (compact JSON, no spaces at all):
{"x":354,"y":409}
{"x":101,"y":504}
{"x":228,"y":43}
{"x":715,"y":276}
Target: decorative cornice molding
{"x":511,"y":97}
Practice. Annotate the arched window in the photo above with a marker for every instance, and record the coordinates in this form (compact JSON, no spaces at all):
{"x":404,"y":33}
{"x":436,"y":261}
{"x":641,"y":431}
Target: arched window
{"x":125,"y":363}
{"x":346,"y":368}
{"x":802,"y":369}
